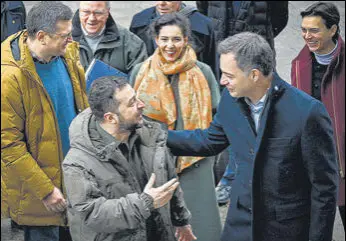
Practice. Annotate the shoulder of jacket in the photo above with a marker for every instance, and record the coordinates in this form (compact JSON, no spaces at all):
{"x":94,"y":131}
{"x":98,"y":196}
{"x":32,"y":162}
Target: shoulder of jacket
{"x":76,"y":157}
{"x":127,"y":34}
{"x":303,"y":55}
{"x":206,"y":69}
{"x":142,"y":18}
{"x":202,"y":65}
{"x":154,"y":124}
{"x":200,"y":23}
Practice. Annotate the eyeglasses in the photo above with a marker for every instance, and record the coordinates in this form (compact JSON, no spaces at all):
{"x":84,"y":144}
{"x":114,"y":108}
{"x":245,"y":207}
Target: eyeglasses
{"x":97,"y":13}
{"x":64,"y":36}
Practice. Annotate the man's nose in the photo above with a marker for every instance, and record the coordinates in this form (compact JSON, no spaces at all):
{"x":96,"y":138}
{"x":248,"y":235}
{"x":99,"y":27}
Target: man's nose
{"x":92,"y":17}
{"x":224,"y":81}
{"x":141,"y":104}
{"x":69,"y":39}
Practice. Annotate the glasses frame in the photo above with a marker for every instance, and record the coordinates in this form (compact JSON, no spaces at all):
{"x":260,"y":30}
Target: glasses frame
{"x":97,"y":13}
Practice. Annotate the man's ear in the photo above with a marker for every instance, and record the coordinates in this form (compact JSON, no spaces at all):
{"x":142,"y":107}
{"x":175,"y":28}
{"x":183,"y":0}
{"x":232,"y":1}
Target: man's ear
{"x":334,"y":29}
{"x":41,"y":37}
{"x":111,"y":118}
{"x":255,"y":73}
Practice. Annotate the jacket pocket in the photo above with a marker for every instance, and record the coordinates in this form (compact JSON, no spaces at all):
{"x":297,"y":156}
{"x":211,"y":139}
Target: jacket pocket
{"x":291,"y":211}
{"x":114,"y":188}
{"x":280,"y":147}
{"x":279,"y":142}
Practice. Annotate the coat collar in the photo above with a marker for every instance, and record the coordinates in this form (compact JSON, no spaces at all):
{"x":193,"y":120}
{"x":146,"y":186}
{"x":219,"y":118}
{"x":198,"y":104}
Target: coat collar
{"x":111,"y":32}
{"x":275,"y":92}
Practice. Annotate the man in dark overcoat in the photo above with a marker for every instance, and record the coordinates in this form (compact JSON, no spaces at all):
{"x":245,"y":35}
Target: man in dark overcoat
{"x":286,"y":182}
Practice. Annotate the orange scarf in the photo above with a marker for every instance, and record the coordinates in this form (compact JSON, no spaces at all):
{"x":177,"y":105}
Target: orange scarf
{"x":154,"y":89}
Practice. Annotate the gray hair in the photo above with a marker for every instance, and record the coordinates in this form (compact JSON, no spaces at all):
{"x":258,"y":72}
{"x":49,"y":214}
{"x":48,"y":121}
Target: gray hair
{"x":251,"y":51}
{"x":45,"y":15}
{"x":108,"y":4}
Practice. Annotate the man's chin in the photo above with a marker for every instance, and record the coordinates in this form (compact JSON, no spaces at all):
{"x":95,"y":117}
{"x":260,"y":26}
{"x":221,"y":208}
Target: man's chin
{"x":139,"y":124}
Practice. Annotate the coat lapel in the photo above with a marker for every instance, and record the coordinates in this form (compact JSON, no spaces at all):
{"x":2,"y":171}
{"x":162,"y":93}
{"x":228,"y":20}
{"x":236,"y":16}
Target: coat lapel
{"x":244,"y":126}
{"x":275,"y":91}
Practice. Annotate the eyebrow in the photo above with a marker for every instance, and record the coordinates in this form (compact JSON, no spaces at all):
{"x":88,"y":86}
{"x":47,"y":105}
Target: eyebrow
{"x":226,"y":73}
{"x":132,"y":100}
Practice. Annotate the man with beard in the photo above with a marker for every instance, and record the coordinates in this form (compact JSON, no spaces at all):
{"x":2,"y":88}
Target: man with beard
{"x":116,"y":159}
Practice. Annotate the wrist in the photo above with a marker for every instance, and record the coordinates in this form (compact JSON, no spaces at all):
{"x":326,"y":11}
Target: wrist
{"x":148,"y":200}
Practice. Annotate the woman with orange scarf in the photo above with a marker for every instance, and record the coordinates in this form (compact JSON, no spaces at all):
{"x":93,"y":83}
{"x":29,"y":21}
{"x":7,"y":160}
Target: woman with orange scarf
{"x":182,"y":92}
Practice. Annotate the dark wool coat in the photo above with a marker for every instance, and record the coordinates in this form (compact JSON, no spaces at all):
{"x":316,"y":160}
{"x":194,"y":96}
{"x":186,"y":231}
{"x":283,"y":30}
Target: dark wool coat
{"x":333,"y":97}
{"x":285,"y":186}
{"x":267,"y":18}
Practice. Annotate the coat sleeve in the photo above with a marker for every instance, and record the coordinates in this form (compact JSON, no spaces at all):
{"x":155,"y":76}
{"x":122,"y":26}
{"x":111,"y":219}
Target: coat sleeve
{"x":135,"y":51}
{"x":98,"y":213}
{"x":279,"y":16}
{"x":208,"y":142}
{"x":15,"y":156}
{"x":319,"y":157}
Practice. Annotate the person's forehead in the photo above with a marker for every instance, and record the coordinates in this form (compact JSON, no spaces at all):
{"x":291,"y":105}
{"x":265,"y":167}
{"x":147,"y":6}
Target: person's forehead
{"x":125,"y":94}
{"x":316,"y":20}
{"x":227,"y":58}
{"x":171,"y":30}
{"x":169,"y":2}
{"x":92,"y":4}
{"x":228,"y":63}
{"x":64,"y":26}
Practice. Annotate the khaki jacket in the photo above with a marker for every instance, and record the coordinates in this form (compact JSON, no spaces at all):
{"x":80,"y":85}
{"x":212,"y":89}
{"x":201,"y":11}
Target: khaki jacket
{"x":31,"y":152}
{"x":104,"y":195}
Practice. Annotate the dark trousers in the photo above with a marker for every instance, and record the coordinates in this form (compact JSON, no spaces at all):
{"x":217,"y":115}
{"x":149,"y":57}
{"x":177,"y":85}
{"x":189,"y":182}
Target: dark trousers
{"x":46,"y":233}
{"x":342,"y":214}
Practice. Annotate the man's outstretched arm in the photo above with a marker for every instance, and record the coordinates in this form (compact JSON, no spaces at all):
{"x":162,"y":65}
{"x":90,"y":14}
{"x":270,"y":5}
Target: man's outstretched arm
{"x":208,"y":142}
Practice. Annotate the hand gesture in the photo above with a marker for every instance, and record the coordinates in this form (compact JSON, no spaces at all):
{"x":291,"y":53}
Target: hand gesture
{"x":55,"y":201}
{"x":185,"y":233}
{"x":161,"y":195}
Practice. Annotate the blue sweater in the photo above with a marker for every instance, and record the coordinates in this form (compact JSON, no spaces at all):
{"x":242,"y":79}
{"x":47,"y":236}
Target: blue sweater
{"x":57,"y":82}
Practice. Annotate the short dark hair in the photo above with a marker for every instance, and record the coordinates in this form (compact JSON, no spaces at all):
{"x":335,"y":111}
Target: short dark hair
{"x":327,"y":11}
{"x":169,"y":19}
{"x":45,"y":15}
{"x":102,"y":95}
{"x":251,"y":51}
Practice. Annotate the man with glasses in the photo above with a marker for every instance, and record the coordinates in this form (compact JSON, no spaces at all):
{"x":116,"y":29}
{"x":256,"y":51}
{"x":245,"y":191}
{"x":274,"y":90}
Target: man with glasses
{"x":42,"y":90}
{"x":101,"y":38}
{"x":319,"y":70}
